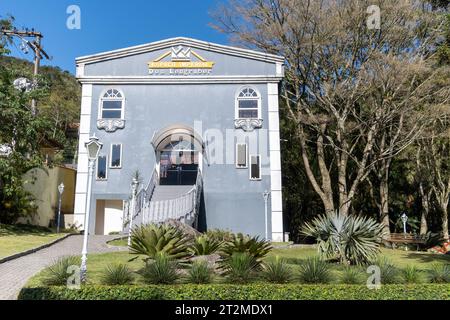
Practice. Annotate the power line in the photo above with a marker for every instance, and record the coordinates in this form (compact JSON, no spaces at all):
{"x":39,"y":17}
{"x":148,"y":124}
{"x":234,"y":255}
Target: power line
{"x":35,"y":45}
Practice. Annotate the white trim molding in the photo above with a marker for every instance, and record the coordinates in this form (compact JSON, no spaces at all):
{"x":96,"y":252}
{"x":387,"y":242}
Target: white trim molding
{"x":82,"y":167}
{"x":180,"y":41}
{"x":238,"y":79}
{"x":275,"y":163}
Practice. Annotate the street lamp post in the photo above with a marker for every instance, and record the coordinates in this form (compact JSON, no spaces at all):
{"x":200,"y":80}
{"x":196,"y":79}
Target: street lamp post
{"x":266,"y":195}
{"x":93,"y":147}
{"x":60,"y":192}
{"x":404,"y":219}
{"x":134,"y":187}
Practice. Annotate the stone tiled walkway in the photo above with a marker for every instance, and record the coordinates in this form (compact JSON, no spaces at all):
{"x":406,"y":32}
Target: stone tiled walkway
{"x":15,"y":273}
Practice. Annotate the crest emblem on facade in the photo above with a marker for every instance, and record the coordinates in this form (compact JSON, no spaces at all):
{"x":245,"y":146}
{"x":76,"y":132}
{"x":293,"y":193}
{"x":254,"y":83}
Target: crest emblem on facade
{"x":180,"y":58}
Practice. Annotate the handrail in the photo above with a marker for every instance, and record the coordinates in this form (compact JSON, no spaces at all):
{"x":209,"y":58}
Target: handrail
{"x":184,"y":208}
{"x":145,"y":194}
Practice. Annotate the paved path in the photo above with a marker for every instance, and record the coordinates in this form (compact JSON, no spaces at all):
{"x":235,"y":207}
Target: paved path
{"x":15,"y":273}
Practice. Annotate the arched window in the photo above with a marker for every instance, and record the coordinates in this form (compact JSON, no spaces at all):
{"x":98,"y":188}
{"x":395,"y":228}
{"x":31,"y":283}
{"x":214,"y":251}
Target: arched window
{"x":248,"y":104}
{"x":112,"y":105}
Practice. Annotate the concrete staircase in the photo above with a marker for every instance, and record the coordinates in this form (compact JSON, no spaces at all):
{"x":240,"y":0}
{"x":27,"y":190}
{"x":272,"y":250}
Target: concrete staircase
{"x":169,"y":192}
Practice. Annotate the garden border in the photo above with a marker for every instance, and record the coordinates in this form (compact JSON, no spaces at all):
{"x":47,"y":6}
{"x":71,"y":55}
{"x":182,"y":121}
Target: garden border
{"x":33,"y":250}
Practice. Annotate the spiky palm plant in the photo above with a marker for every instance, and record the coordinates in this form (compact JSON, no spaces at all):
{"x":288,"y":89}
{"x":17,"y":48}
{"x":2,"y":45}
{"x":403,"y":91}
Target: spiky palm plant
{"x":351,"y":239}
{"x":58,"y":273}
{"x":277,"y":271}
{"x":204,"y":245}
{"x":152,"y":239}
{"x":240,"y":267}
{"x":161,"y":270}
{"x":255,"y":247}
{"x":117,"y":274}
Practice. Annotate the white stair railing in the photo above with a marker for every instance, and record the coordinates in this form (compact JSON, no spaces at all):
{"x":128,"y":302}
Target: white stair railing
{"x":184,"y":208}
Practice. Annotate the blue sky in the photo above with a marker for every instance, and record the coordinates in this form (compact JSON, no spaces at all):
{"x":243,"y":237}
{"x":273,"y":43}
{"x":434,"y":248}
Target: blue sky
{"x":109,"y":24}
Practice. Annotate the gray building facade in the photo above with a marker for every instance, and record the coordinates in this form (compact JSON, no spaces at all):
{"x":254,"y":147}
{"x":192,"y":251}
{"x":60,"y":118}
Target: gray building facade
{"x":178,"y":109}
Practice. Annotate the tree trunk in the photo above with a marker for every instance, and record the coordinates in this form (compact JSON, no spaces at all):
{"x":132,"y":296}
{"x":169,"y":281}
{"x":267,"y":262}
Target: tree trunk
{"x":425,"y":209}
{"x":445,"y":222}
{"x":384,"y":206}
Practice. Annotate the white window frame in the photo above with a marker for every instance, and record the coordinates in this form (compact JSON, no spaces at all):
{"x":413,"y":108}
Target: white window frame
{"x":111,"y":155}
{"x":250,"y":167}
{"x":106,"y":168}
{"x":236,"y":156}
{"x":102,"y":98}
{"x":237,"y":99}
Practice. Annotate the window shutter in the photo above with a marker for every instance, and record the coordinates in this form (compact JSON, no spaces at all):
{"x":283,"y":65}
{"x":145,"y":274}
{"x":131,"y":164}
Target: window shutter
{"x":241,"y":155}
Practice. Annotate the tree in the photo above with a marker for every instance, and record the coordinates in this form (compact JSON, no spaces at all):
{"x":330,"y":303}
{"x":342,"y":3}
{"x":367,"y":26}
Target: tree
{"x":22,"y":134}
{"x":345,"y":83}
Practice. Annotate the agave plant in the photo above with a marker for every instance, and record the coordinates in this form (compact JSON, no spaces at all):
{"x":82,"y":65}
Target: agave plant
{"x":350,"y":239}
{"x":255,"y":247}
{"x":204,"y":245}
{"x":152,"y":239}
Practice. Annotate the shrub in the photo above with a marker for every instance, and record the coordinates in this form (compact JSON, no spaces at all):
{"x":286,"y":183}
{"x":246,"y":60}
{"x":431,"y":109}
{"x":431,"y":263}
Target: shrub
{"x":350,"y":239}
{"x":161,"y":270}
{"x":314,"y":270}
{"x":204,"y":245}
{"x":277,"y":271}
{"x":220,"y":235}
{"x":351,"y":275}
{"x":240,"y":267}
{"x":200,"y":272}
{"x":388,"y":271}
{"x":254,"y":291}
{"x":117,"y":274}
{"x":253,"y":246}
{"x":58,"y":273}
{"x":411,"y":275}
{"x":439,"y":273}
{"x":152,"y":239}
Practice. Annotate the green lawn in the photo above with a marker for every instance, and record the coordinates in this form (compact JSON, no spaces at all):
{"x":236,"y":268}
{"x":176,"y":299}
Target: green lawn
{"x":18,"y":238}
{"x":98,"y":262}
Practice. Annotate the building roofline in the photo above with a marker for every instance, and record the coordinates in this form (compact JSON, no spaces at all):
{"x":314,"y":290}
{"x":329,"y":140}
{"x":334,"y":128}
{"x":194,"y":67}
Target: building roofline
{"x":153,"y":46}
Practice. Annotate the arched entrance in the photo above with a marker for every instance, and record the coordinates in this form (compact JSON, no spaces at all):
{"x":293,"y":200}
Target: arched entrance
{"x":179,"y":155}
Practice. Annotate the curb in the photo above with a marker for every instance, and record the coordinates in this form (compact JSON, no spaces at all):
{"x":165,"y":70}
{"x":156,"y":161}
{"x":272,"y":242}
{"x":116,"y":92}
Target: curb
{"x":27,"y":252}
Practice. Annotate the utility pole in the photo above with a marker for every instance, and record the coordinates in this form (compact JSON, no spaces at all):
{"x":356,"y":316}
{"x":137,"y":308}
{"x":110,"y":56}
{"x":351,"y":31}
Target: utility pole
{"x":34,"y":45}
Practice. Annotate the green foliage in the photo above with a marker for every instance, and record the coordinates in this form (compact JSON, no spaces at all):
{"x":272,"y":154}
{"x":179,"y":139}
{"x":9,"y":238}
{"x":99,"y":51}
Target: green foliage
{"x":411,"y":274}
{"x":161,"y":270}
{"x":220,"y":235}
{"x":254,"y":291}
{"x":58,"y":273}
{"x":351,"y":239}
{"x":256,"y":248}
{"x":25,"y":134}
{"x":389,"y":273}
{"x":351,"y":275}
{"x":200,"y":272}
{"x":277,"y":271}
{"x":240,"y":267}
{"x":205,"y":245}
{"x":314,"y":270}
{"x":152,"y":239}
{"x":439,"y":273}
{"x":117,"y":274}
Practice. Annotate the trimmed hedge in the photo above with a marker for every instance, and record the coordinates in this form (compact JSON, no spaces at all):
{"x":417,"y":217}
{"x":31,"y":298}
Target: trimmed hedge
{"x":240,"y":292}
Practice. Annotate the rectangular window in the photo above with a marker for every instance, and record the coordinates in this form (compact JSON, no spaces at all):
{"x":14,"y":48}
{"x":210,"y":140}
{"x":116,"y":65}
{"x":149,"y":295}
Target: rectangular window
{"x":241,"y":155}
{"x":255,"y":167}
{"x":101,"y":168}
{"x":111,"y":109}
{"x":116,"y":156}
{"x":248,"y":109}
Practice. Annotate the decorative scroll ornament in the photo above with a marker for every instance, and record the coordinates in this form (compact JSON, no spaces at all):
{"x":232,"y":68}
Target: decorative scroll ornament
{"x":110,"y":125}
{"x":248,"y":124}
